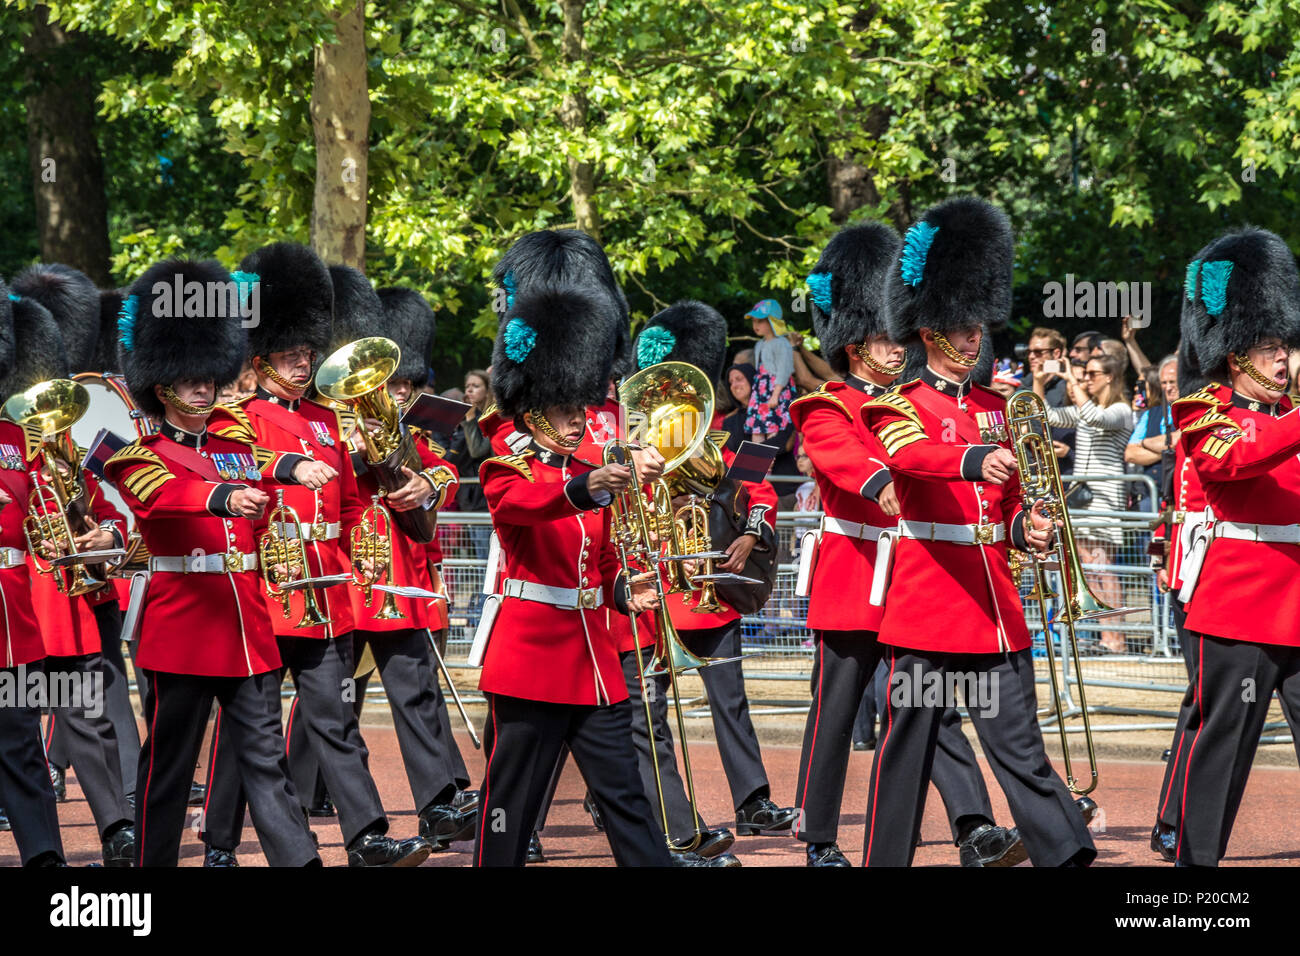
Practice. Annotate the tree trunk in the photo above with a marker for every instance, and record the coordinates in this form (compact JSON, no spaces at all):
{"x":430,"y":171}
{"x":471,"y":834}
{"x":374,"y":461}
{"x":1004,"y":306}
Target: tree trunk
{"x":340,"y":119}
{"x":573,"y":113}
{"x":67,"y":168}
{"x":851,"y":183}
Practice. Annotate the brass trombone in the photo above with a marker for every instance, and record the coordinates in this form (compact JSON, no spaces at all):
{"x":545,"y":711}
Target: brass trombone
{"x":372,"y":541}
{"x":1040,"y":480}
{"x":276,"y":548}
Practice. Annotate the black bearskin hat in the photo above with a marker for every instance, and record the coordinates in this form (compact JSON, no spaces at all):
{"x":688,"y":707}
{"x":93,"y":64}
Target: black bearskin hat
{"x":38,"y":350}
{"x":953,"y":271}
{"x":7,"y":351}
{"x":1190,"y":379}
{"x":410,"y":322}
{"x":1241,"y":288}
{"x":573,"y":259}
{"x":294,"y":299}
{"x":106,"y":357}
{"x":73,"y":300}
{"x":554,"y":347}
{"x":848,"y":289}
{"x":358,"y":312}
{"x":686,"y":331}
{"x":201,"y":336}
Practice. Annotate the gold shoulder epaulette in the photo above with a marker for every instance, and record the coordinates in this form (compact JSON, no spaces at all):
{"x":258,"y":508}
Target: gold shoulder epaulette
{"x":490,"y":410}
{"x":1205,"y":396}
{"x":142,"y":483}
{"x":899,"y":403}
{"x":428,"y":440}
{"x":519,"y":462}
{"x":240,"y":429}
{"x":822,"y":394}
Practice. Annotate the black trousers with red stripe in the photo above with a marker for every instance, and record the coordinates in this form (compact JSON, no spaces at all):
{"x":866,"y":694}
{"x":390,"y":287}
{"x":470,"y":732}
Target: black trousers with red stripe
{"x":89,"y":739}
{"x":117,"y":700}
{"x":1175,"y":768}
{"x":742,"y":761}
{"x":844,"y":664}
{"x":1005,"y":719}
{"x":25,"y":790}
{"x":1234,"y":687}
{"x":322,"y":671}
{"x":178,"y":708}
{"x":526,"y":739}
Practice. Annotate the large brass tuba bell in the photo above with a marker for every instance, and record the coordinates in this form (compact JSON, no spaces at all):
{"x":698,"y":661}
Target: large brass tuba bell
{"x":357,"y":375}
{"x":57,"y":510}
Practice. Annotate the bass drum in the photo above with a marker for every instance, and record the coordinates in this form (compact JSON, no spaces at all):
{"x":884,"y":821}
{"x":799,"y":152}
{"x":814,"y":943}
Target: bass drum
{"x":111,"y":407}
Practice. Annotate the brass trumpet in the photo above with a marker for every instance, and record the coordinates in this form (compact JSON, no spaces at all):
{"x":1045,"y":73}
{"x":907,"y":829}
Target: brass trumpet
{"x":372,"y":540}
{"x":276,"y":548}
{"x":692,"y":525}
{"x":1040,"y":480}
{"x":57,"y":508}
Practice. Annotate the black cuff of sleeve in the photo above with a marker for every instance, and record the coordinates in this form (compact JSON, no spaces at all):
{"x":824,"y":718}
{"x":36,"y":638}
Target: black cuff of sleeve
{"x":285,"y":466}
{"x":1018,"y":540}
{"x":622,"y":593}
{"x":972,"y":463}
{"x":359,"y":466}
{"x":575,"y":489}
{"x":218,"y":501}
{"x":875,"y":483}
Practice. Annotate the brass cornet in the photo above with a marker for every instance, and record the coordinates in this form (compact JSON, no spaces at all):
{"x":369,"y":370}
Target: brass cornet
{"x":276,"y":548}
{"x":1040,"y":480}
{"x":372,"y":540}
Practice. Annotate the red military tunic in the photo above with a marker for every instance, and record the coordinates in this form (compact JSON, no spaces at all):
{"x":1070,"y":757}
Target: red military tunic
{"x":496,"y":429}
{"x":1247,"y":462}
{"x":944,"y":596}
{"x":1189,"y":501}
{"x":435,"y":609}
{"x":207,"y":625}
{"x":849,"y":462}
{"x":68,"y":625}
{"x":305,"y":430}
{"x":410,"y":568}
{"x":762,"y":513}
{"x":20,"y":634}
{"x":551,"y":533}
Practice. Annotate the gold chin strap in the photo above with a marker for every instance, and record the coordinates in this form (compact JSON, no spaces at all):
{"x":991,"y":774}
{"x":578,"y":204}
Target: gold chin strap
{"x":264,"y":367}
{"x":546,"y":428}
{"x":946,"y":347}
{"x":184,"y":407}
{"x":1247,"y":366}
{"x":881,"y":368}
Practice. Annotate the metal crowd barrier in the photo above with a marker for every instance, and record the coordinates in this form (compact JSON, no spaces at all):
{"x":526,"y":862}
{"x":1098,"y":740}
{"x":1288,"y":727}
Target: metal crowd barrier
{"x":1134,"y":662}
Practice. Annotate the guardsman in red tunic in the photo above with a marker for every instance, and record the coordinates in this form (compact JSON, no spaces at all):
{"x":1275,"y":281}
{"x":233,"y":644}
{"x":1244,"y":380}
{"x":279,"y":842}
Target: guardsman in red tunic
{"x":400,"y":647}
{"x":25,"y":791}
{"x":1243,"y":438}
{"x":695,"y":329}
{"x":295,"y":301}
{"x":1189,"y":514}
{"x":198,"y":502}
{"x":952,"y":613}
{"x":77,"y":307}
{"x":837,"y":560}
{"x":551,"y":668}
{"x":74,"y":663}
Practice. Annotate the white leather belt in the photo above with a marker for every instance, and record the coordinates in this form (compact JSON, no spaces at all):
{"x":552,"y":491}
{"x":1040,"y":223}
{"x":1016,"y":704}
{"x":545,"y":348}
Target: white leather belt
{"x":204,"y":563}
{"x":570,"y":599}
{"x":852,"y":529}
{"x":1264,"y":533}
{"x":12,"y":558}
{"x":321,"y":531}
{"x":952,"y":533}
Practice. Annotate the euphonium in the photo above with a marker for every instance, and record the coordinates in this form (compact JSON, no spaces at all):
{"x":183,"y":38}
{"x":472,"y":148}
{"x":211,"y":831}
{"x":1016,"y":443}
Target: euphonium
{"x":372,"y":541}
{"x":56,"y":510}
{"x":357,"y":375}
{"x":275,"y":548}
{"x":1040,"y":480}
